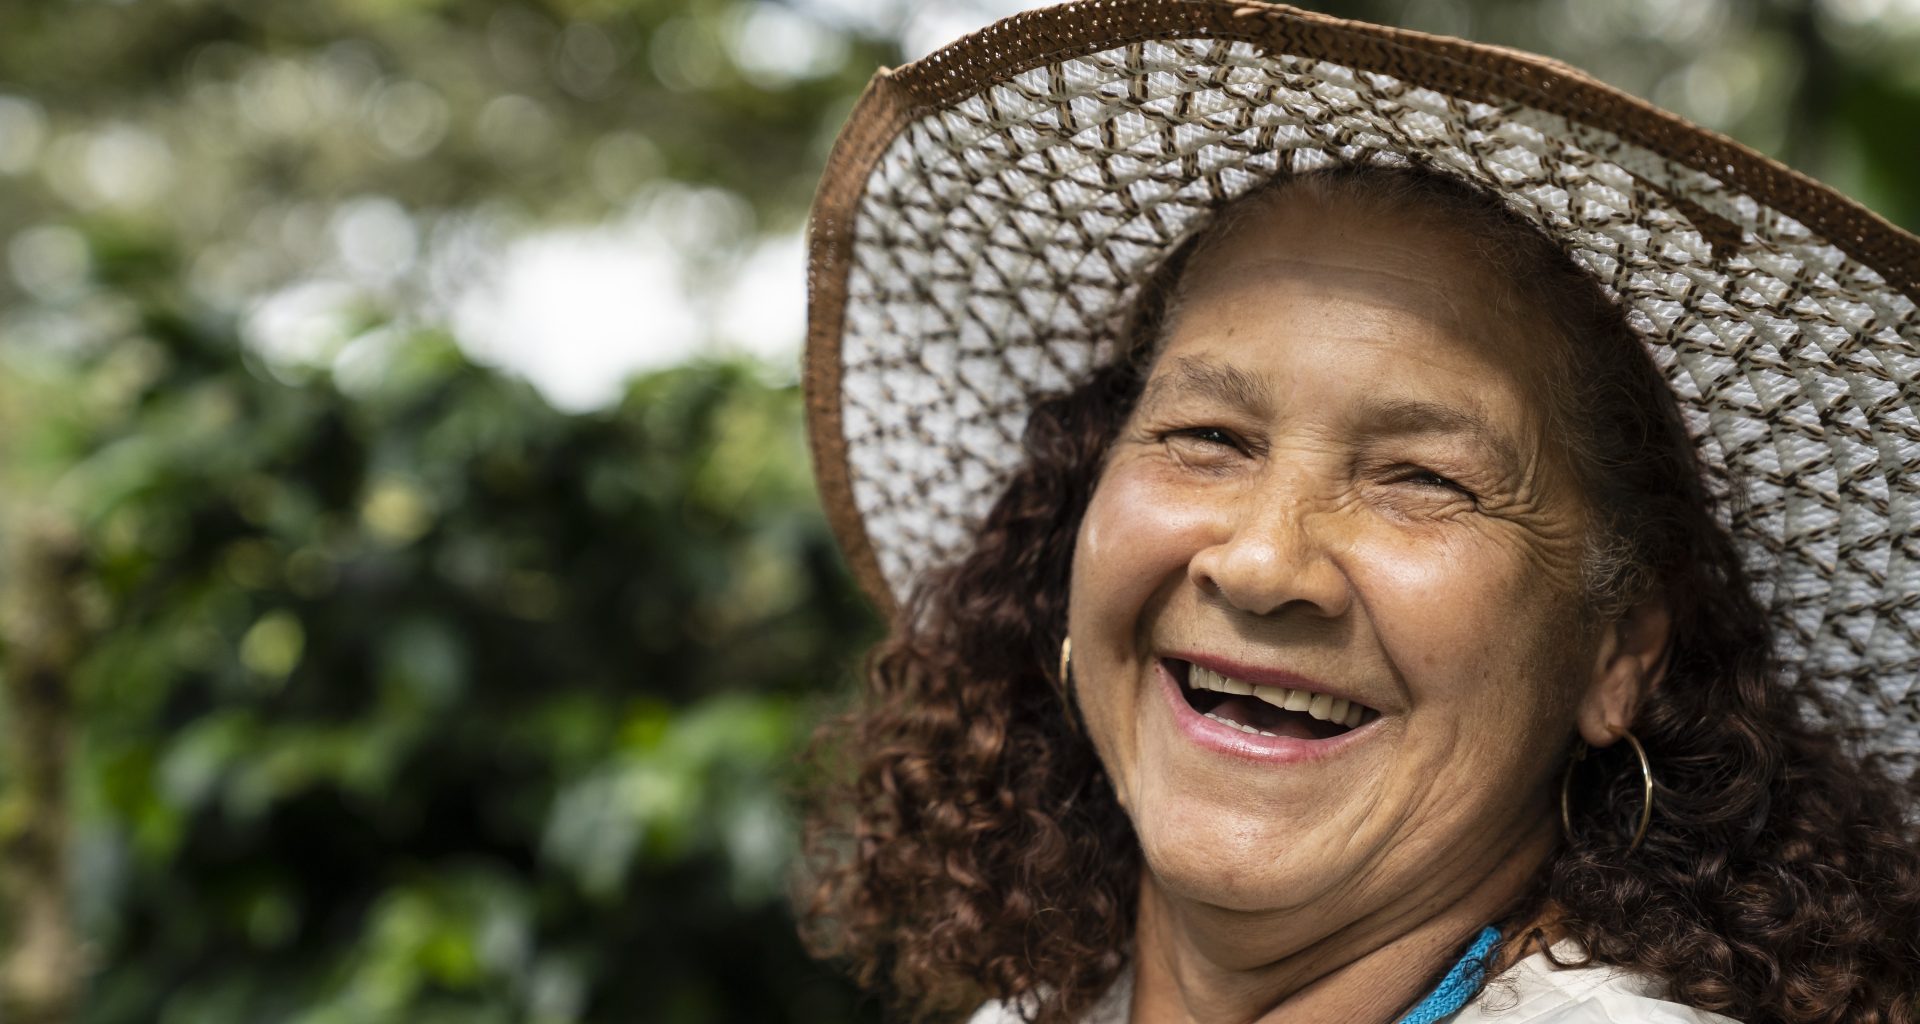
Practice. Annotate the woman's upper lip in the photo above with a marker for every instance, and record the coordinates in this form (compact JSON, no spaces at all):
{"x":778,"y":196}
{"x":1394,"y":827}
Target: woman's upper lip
{"x":1260,"y":676}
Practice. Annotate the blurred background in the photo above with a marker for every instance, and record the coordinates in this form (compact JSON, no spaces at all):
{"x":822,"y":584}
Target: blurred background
{"x":413,"y":596}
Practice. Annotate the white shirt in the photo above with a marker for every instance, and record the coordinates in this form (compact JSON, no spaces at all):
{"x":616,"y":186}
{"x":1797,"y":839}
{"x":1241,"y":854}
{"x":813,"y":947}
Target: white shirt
{"x":1532,"y":991}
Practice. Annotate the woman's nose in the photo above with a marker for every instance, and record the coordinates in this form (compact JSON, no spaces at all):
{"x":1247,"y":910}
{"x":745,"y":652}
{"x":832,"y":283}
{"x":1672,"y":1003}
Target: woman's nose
{"x":1274,"y":554}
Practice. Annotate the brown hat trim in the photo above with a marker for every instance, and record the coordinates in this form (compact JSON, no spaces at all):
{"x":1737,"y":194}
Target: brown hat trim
{"x":879,"y":115}
{"x":1472,"y":71}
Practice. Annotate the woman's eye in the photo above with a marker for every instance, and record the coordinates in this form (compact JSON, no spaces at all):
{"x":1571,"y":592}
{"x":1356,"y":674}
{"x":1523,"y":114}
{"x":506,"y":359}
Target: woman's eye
{"x":1428,"y":478}
{"x":1210,"y":436}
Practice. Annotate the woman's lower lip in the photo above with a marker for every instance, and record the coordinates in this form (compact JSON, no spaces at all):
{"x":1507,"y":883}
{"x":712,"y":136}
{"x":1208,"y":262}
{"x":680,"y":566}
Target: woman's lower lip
{"x":1226,"y":739}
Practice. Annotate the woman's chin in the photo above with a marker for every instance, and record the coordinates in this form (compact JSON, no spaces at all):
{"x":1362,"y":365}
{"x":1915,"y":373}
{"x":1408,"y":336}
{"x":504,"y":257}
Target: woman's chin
{"x":1228,"y":851}
{"x":1209,"y":877}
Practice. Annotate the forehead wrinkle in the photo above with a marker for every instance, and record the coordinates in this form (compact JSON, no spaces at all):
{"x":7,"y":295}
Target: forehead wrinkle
{"x":1427,"y":274}
{"x":1384,"y":276}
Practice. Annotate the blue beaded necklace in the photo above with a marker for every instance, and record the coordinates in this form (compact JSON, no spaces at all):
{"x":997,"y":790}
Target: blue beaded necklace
{"x":1460,"y":984}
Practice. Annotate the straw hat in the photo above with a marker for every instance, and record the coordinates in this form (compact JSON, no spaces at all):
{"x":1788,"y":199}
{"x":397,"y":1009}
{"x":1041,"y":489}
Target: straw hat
{"x":990,"y":212}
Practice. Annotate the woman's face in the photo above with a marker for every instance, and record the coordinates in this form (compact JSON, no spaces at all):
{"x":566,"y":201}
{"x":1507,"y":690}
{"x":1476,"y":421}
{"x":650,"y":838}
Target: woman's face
{"x":1336,"y":482}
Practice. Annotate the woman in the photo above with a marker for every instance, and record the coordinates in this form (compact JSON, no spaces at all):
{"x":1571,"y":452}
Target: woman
{"x":1375,"y":529}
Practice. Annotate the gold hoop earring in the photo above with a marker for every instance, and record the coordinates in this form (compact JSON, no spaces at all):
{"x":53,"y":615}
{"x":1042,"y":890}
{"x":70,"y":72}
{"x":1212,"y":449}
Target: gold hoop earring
{"x":1646,"y":792}
{"x":1064,"y":686}
{"x":1066,"y":682}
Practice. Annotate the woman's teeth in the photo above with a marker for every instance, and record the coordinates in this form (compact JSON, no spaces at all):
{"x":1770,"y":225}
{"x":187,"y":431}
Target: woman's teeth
{"x":1237,"y":725}
{"x":1318,"y":705}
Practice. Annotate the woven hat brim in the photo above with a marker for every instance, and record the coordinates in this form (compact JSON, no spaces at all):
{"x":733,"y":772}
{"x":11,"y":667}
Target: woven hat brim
{"x":989,"y":211}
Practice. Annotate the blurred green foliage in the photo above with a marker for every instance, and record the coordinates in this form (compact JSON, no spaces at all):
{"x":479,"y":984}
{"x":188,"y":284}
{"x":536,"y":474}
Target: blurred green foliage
{"x":406,"y":696}
{"x":434,"y":703}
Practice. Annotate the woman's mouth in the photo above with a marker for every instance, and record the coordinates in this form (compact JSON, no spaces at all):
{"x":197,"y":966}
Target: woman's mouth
{"x":1266,"y":710}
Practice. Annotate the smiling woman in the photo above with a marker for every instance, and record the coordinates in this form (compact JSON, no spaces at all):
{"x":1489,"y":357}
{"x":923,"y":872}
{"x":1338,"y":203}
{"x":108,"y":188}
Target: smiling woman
{"x":1339,"y":495}
{"x":1370,"y":478}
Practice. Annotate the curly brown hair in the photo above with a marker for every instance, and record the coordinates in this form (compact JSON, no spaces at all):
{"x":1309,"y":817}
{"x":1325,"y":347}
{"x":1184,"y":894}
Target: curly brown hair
{"x":973,"y":847}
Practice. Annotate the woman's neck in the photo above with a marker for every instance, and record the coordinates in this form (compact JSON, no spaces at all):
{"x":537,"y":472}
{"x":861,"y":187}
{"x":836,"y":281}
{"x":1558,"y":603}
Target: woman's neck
{"x":1196,"y":963}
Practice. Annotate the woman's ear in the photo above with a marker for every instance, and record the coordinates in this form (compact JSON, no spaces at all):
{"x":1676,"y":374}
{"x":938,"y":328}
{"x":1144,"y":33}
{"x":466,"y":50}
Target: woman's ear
{"x":1630,"y":661}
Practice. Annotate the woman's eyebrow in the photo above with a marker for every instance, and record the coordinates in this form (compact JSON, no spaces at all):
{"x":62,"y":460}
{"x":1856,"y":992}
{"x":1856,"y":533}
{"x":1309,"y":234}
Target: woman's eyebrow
{"x":1194,"y":377}
{"x":1404,"y":417}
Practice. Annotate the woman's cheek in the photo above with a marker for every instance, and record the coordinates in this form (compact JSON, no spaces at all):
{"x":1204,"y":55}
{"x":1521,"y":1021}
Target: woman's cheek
{"x":1142,"y":526}
{"x":1134,"y":544}
{"x":1421,"y":567}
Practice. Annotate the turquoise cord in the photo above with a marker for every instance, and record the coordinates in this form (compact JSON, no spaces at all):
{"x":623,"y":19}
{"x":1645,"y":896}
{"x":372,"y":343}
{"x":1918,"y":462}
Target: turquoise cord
{"x":1461,"y":984}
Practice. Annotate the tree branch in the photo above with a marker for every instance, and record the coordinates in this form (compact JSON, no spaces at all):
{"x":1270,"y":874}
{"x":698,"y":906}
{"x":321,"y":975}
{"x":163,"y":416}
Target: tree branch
{"x":43,"y":630}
